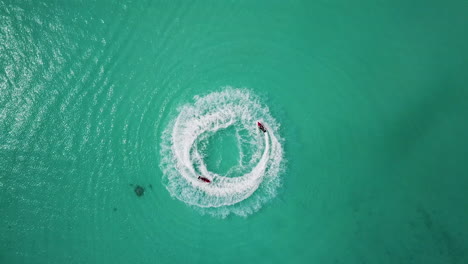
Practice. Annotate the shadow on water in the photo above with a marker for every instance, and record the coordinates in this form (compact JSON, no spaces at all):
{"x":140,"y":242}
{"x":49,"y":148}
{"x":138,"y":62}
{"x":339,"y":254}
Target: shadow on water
{"x":417,"y":121}
{"x":447,"y":244}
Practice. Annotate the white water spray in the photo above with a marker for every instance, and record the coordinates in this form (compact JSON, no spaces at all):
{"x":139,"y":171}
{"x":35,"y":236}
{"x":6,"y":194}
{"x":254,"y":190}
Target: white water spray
{"x":182,"y":159}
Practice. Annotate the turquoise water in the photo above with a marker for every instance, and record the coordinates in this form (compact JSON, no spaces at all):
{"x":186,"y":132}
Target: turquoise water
{"x":368,"y":102}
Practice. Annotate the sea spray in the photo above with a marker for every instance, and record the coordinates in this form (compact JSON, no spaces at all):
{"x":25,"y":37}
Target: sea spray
{"x":258,"y":173}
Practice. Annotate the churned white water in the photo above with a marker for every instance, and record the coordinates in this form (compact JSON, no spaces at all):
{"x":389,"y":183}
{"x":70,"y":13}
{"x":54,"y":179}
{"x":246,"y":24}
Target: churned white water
{"x":247,"y":186}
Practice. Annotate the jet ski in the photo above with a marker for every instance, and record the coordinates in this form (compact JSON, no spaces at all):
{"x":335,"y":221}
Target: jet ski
{"x":262,"y":128}
{"x":204,"y":179}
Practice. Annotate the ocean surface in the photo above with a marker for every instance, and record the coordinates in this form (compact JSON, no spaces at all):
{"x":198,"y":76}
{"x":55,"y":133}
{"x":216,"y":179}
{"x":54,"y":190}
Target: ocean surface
{"x":111,"y":110}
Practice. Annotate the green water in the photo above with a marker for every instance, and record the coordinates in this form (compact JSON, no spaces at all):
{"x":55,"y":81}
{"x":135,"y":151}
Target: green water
{"x":222,"y":151}
{"x":371,"y":99}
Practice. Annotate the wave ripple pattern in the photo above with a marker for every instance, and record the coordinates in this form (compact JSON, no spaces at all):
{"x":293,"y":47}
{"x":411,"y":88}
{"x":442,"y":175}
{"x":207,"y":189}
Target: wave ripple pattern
{"x":245,"y":187}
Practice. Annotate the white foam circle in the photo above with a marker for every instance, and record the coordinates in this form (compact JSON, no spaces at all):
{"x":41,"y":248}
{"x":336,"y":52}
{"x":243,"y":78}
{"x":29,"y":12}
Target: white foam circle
{"x":249,"y":184}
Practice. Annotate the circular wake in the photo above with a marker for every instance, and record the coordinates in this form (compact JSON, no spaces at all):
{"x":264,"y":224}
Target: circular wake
{"x":246,"y":186}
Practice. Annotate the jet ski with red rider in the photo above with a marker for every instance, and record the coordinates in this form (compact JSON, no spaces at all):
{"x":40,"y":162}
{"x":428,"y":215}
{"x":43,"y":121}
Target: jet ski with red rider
{"x":261,"y":127}
{"x":204,"y":179}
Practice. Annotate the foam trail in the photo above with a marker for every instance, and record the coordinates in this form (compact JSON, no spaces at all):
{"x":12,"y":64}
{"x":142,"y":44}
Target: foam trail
{"x":182,"y":162}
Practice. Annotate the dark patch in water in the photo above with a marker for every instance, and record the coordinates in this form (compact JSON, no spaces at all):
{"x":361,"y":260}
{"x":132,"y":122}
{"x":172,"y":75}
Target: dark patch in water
{"x":449,"y":243}
{"x":139,"y":191}
{"x":151,"y":186}
{"x":426,"y":217}
{"x":115,"y":209}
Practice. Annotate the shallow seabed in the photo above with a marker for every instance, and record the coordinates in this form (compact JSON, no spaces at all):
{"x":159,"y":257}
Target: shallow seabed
{"x":368,"y":103}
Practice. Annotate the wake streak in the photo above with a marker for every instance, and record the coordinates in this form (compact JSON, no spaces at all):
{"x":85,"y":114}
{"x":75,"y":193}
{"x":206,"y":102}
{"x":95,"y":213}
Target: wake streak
{"x":182,"y":162}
